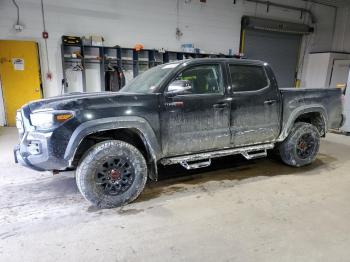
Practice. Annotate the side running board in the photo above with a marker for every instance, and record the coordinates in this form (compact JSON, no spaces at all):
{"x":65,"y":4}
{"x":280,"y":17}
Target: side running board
{"x":195,"y":165}
{"x":204,"y":159}
{"x":252,"y":155}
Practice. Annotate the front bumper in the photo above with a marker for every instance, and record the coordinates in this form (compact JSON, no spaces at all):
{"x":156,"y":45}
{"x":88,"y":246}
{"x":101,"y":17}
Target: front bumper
{"x":40,"y":151}
{"x":23,"y":161}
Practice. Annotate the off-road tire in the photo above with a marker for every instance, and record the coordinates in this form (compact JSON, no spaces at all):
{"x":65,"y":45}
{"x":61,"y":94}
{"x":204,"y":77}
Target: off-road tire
{"x":94,"y":159}
{"x":288,"y":149}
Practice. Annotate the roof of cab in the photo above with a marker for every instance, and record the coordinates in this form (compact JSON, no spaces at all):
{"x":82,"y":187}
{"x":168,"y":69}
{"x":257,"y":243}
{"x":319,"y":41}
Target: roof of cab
{"x":228,"y":60}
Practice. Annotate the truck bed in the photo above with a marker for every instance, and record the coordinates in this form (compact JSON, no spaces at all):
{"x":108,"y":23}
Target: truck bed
{"x":326,"y":100}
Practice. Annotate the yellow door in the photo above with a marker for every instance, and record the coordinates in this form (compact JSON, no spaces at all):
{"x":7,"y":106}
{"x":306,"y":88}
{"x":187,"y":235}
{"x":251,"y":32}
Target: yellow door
{"x":19,"y":75}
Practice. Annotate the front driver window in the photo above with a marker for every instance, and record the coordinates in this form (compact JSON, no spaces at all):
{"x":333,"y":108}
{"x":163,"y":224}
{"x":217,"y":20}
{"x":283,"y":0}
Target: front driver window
{"x":204,"y":79}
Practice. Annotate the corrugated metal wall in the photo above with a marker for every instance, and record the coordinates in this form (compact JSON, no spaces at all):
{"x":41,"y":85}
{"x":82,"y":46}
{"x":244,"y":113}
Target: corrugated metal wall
{"x":280,"y":50}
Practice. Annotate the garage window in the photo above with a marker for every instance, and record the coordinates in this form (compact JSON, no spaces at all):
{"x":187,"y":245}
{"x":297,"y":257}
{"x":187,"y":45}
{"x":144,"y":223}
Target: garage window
{"x":247,"y":78}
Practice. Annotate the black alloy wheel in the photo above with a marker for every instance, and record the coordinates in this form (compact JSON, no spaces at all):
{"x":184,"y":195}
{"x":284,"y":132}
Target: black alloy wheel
{"x":305,"y":146}
{"x":112,"y":173}
{"x":115,"y":176}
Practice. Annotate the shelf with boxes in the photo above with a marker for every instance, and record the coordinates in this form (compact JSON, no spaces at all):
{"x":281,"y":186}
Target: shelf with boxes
{"x":88,"y":68}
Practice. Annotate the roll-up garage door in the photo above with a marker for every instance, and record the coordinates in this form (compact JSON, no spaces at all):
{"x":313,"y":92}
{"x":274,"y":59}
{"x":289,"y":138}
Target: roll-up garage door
{"x":277,"y":43}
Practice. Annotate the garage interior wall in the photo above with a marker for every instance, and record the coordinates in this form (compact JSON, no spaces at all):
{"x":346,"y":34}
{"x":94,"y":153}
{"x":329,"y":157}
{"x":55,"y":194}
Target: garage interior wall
{"x":341,"y":41}
{"x":213,"y":26}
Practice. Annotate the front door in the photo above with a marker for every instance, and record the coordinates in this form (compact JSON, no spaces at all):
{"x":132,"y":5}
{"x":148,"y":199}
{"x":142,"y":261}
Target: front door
{"x":255,"y":108}
{"x":19,"y":75}
{"x":197,"y":120}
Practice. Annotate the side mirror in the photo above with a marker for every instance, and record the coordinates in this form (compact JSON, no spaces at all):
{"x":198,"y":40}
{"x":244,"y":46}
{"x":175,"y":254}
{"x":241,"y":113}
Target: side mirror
{"x":179,"y":87}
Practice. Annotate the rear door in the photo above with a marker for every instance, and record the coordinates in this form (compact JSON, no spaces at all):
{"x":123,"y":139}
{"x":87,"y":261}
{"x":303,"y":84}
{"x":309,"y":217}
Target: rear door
{"x":255,"y":107}
{"x":198,"y":120}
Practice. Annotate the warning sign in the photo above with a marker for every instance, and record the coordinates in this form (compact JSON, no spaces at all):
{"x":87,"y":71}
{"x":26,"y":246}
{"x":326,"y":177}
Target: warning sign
{"x":18,"y":64}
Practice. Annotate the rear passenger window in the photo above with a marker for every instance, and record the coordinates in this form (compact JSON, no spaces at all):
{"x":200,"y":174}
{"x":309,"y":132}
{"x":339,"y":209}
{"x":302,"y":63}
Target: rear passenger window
{"x":247,"y":78}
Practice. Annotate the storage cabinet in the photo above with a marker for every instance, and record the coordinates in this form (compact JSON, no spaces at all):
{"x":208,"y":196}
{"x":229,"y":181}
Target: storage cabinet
{"x":84,"y":66}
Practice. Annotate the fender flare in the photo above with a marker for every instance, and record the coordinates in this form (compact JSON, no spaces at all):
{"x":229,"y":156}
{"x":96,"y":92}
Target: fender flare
{"x":316,"y":108}
{"x":140,"y":124}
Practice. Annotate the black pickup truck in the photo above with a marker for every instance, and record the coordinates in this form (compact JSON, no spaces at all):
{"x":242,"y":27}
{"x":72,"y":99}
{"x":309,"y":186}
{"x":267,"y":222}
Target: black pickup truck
{"x":185,"y":112}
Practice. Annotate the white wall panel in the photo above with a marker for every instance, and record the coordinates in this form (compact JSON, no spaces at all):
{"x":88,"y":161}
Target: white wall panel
{"x":213,"y":27}
{"x":342,"y":33}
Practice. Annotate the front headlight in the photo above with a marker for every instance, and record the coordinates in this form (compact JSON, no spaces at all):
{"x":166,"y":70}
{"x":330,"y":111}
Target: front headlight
{"x":46,"y":120}
{"x":19,"y":122}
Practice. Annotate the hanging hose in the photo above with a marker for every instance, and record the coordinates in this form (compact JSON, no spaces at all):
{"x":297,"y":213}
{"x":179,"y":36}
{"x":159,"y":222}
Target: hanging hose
{"x":17,"y":7}
{"x":48,"y":74}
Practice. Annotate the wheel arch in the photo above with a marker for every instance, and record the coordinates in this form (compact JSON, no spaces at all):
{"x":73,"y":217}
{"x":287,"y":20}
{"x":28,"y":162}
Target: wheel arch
{"x":134,"y":130}
{"x":312,"y":114}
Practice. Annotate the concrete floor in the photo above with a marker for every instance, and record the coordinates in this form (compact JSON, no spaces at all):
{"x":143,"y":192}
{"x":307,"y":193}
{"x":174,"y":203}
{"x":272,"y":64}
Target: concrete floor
{"x":235,"y":211}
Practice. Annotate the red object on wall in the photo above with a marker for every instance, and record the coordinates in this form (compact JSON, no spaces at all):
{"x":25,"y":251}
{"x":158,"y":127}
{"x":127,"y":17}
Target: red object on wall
{"x":49,"y":76}
{"x":45,"y":35}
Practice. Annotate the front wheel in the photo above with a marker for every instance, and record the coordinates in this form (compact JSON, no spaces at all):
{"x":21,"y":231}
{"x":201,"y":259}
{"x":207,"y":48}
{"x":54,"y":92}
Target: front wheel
{"x":112,"y":173}
{"x":301,"y":146}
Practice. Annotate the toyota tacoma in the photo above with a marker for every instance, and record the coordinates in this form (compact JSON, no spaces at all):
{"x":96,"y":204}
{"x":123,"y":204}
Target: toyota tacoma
{"x":185,"y":112}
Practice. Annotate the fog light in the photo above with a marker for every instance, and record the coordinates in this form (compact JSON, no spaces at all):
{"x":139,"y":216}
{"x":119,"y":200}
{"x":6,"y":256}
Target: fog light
{"x":34,"y":148}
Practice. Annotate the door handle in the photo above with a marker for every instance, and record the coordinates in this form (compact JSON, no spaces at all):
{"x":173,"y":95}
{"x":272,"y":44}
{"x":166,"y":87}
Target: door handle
{"x":270,"y":102}
{"x":220,"y":105}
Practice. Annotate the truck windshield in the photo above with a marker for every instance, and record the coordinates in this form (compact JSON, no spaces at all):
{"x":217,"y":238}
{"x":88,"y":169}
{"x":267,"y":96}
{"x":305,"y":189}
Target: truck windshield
{"x":148,"y":81}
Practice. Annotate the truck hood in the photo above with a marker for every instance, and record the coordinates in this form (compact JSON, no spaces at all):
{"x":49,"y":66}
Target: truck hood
{"x":73,"y":100}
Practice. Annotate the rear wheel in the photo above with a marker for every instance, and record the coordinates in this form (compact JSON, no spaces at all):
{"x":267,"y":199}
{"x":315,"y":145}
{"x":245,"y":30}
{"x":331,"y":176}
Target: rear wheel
{"x":301,"y":146}
{"x":112,"y":173}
